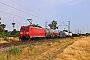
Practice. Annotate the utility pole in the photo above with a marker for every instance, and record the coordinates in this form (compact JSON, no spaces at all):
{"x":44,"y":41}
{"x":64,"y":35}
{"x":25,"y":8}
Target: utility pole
{"x":45,"y":24}
{"x":68,"y":26}
{"x":30,"y":21}
{"x":78,"y":31}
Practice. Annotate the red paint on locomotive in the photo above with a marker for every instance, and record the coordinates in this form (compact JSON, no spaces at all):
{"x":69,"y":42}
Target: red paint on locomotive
{"x":27,"y":32}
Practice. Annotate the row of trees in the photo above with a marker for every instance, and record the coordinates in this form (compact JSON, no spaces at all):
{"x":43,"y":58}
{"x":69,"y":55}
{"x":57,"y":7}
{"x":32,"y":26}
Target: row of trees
{"x":52,"y":25}
{"x":14,"y":33}
{"x":5,"y":33}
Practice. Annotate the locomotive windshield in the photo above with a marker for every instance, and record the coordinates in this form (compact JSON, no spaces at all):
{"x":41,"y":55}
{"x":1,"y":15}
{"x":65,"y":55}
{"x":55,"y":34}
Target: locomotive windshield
{"x":24,"y":29}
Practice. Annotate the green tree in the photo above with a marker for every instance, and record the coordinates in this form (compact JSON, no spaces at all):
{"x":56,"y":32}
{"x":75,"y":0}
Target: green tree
{"x":2,"y":26}
{"x":87,"y":34}
{"x":15,"y":33}
{"x":53,"y":25}
{"x":1,"y":30}
{"x":6,"y":32}
{"x":36,"y":25}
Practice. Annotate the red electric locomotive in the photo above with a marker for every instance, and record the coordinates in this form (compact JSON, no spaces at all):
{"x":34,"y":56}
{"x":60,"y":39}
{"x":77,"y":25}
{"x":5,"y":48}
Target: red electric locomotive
{"x":30,"y":32}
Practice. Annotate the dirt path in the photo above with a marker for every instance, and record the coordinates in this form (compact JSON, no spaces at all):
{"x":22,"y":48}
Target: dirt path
{"x":58,"y":52}
{"x":51,"y":52}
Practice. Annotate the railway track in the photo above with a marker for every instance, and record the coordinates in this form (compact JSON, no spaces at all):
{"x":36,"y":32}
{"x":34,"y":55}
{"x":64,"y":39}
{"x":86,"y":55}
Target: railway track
{"x":4,"y":46}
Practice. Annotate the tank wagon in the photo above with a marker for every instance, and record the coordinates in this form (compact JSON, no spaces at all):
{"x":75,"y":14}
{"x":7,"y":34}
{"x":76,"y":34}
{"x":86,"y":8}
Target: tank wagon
{"x":56,"y":33}
{"x":49,"y":33}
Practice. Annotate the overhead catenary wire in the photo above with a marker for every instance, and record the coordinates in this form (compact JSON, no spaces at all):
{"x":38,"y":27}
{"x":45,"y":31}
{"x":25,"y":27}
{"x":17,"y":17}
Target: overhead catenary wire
{"x":12,"y":14}
{"x":19,"y":10}
{"x":25,"y":8}
{"x":21,"y":5}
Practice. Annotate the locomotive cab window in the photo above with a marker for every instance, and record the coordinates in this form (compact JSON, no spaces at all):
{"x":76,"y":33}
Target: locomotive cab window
{"x":24,"y":29}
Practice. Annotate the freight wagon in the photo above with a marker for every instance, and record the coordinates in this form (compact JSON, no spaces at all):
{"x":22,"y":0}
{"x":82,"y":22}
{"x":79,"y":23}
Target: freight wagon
{"x":68,"y":34}
{"x":62,"y":34}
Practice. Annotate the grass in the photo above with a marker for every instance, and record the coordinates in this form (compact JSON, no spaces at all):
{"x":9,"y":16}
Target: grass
{"x":18,"y":53}
{"x":80,"y":50}
{"x":11,"y":53}
{"x":41,"y":51}
{"x":14,"y":51}
{"x":48,"y":53}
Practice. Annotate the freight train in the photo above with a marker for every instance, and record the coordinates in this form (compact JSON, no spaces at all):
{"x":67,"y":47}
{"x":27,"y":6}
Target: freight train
{"x":30,"y":33}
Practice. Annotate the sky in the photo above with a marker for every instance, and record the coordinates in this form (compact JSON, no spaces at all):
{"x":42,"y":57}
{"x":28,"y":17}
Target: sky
{"x":41,"y":11}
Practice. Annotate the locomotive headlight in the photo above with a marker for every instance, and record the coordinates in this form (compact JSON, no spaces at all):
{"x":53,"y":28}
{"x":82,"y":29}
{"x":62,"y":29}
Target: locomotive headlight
{"x":27,"y":32}
{"x":21,"y":32}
